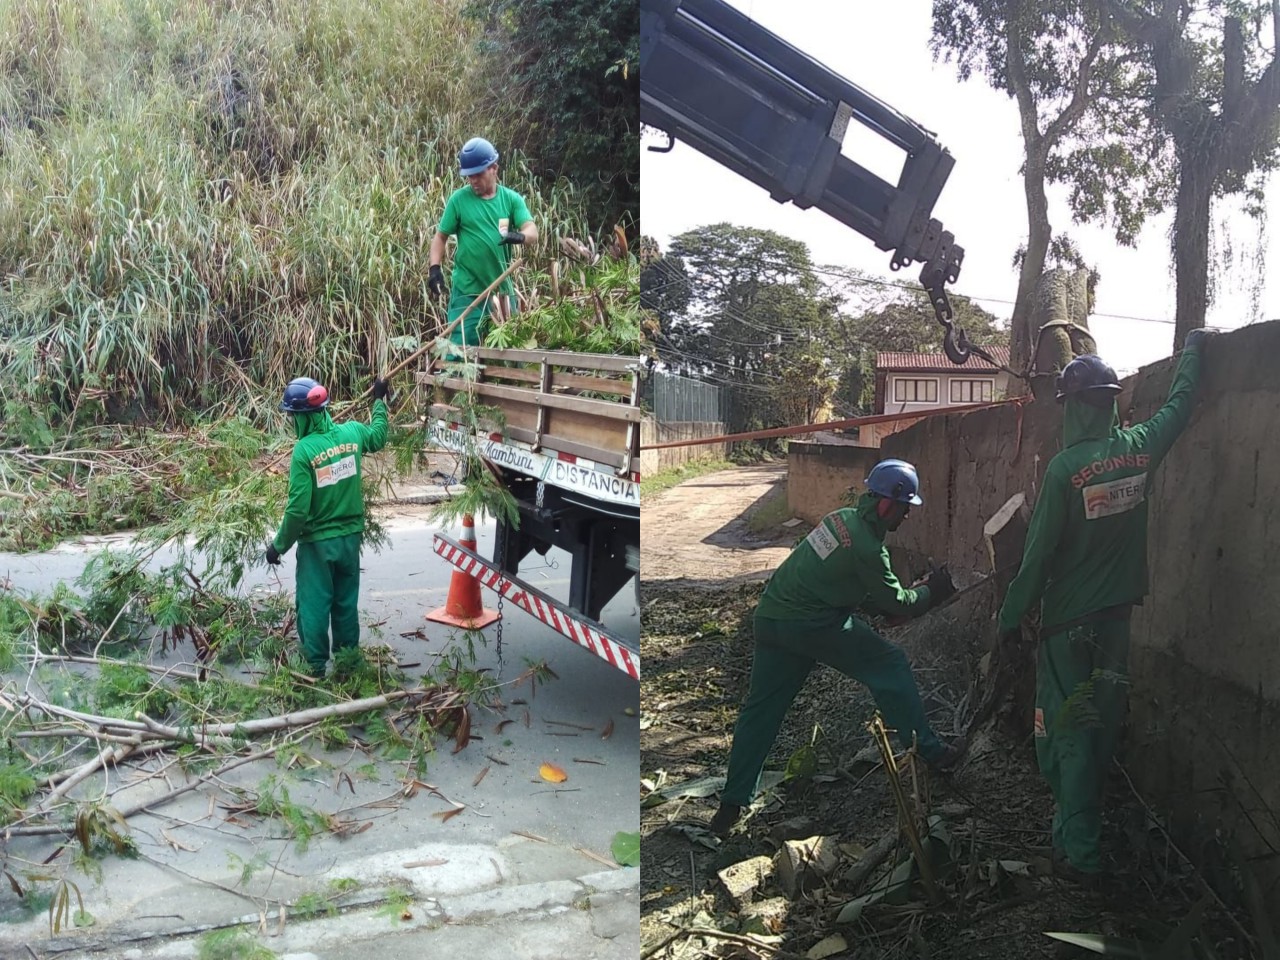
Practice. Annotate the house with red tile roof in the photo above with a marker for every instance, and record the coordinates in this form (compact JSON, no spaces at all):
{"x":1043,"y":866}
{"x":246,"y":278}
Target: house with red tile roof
{"x":910,"y":382}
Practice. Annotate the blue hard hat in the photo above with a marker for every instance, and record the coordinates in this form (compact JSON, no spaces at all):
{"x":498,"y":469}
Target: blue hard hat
{"x":897,"y":480}
{"x":304,"y":395}
{"x":476,"y":155}
{"x":1087,"y":374}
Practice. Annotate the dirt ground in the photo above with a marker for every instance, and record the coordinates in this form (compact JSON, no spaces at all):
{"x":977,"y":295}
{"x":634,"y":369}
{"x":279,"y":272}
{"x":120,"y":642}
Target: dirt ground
{"x":698,"y":530}
{"x":997,"y":894}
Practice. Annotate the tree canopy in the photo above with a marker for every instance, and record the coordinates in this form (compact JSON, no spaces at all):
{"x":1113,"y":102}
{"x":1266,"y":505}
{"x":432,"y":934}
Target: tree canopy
{"x":748,"y":310}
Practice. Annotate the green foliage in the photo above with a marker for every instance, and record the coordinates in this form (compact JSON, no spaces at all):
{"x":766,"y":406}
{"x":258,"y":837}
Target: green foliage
{"x":16,"y":786}
{"x":482,"y":493}
{"x":234,"y":944}
{"x":598,"y":312}
{"x":123,"y":690}
{"x":575,"y":63}
{"x":398,"y":901}
{"x":626,"y":849}
{"x":117,"y":479}
{"x":747,"y":309}
{"x":213,"y":198}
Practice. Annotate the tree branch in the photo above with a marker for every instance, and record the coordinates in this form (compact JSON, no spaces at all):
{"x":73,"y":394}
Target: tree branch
{"x":1022,"y":88}
{"x":1081,"y":97}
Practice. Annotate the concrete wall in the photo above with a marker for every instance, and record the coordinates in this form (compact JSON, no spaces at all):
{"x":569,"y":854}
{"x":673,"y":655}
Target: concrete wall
{"x":651,"y":461}
{"x":818,"y":474}
{"x":1204,"y":726}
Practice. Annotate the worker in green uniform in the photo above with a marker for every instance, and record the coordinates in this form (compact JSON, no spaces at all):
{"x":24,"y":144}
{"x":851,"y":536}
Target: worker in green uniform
{"x":1086,"y":554}
{"x":805,"y":618}
{"x":325,"y":516}
{"x":489,"y":220}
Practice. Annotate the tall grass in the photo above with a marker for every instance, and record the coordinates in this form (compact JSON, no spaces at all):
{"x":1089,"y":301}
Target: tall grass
{"x":201,"y":200}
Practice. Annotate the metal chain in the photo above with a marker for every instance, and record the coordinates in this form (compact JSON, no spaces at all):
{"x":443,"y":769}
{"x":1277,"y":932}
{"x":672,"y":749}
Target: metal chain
{"x":542,"y":490}
{"x":498,"y":633}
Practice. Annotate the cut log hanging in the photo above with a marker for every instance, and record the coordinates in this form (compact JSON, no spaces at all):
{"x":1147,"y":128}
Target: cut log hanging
{"x":1059,"y":326}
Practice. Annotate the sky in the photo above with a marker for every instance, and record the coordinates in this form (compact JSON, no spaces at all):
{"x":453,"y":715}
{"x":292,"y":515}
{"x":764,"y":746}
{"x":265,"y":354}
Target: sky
{"x":884,"y":49}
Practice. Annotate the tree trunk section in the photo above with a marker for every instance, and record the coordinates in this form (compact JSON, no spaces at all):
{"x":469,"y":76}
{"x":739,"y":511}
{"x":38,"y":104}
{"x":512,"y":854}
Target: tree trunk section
{"x":1191,"y":247}
{"x":1039,"y":233}
{"x":1059,"y":325}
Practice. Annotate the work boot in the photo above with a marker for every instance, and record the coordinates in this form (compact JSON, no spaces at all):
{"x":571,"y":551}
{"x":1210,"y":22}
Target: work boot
{"x":1092,"y":880}
{"x":725,"y":820}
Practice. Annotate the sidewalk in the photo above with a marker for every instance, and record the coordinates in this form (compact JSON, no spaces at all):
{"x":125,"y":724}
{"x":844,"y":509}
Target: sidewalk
{"x":508,"y":900}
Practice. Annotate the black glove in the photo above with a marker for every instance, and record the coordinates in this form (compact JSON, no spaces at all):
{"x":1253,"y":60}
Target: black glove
{"x":941,"y":587}
{"x":381,"y":389}
{"x":513,"y":236}
{"x":435,"y":280}
{"x":1011,"y":637}
{"x":1196,"y":338}
{"x":273,"y":555}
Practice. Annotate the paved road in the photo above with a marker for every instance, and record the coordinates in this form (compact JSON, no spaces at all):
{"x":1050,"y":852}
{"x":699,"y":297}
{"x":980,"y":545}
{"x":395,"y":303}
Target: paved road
{"x":697,"y":530}
{"x":471,"y":873}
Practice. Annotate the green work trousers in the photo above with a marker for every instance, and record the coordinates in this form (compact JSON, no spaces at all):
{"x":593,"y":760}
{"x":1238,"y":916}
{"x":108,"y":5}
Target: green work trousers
{"x":1082,"y":681}
{"x":328,"y":591}
{"x":473,"y":329}
{"x":786,"y":650}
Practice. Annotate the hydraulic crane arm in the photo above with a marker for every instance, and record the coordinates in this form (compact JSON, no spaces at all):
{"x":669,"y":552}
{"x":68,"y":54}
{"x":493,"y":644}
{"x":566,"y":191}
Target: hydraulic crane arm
{"x":731,"y":89}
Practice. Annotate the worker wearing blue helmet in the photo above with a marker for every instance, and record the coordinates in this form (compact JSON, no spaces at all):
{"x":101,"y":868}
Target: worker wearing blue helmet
{"x":489,"y":221}
{"x":805,"y":618}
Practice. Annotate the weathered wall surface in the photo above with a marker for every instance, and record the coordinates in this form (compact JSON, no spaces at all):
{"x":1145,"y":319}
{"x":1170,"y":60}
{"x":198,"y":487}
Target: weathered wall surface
{"x":1204,"y":737}
{"x":651,"y":461}
{"x":818,"y":475}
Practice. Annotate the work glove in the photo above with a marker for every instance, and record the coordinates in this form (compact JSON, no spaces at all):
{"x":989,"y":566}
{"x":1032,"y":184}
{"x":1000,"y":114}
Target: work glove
{"x":513,"y":236}
{"x":1196,"y":338}
{"x":381,"y":389}
{"x":435,"y":280}
{"x":273,"y":555}
{"x":941,"y":586}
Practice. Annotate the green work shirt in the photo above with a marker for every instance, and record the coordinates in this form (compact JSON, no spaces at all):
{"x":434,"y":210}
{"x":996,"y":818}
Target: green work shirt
{"x":325,"y":495}
{"x":841,"y":565}
{"x":1086,"y":548}
{"x":479,"y":225}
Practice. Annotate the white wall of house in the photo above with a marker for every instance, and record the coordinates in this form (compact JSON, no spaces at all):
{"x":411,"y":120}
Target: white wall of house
{"x":911,"y":392}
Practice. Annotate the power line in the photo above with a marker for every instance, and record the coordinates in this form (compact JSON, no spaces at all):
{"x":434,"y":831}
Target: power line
{"x":837,"y":272}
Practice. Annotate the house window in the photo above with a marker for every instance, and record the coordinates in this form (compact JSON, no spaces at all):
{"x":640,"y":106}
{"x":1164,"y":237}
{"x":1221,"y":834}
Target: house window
{"x":915,"y":391}
{"x":972,"y":391}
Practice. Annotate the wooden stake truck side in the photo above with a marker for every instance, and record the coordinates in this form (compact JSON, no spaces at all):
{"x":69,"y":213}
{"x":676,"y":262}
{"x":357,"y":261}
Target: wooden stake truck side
{"x":568,"y":450}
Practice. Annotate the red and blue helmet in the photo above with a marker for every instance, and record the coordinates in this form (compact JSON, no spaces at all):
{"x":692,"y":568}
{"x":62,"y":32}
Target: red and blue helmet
{"x":304,"y":395}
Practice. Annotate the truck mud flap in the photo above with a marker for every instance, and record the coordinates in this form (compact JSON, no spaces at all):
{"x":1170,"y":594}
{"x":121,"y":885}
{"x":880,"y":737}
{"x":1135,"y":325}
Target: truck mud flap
{"x":582,"y":631}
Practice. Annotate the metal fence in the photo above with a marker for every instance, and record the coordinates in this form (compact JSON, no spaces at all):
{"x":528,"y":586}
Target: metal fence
{"x":674,"y":399}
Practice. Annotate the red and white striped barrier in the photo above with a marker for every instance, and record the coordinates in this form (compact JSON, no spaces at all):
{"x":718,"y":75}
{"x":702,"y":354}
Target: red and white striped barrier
{"x":582,"y":631}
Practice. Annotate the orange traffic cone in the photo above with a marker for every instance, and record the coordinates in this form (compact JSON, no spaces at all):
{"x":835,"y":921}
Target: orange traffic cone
{"x":463,"y":607}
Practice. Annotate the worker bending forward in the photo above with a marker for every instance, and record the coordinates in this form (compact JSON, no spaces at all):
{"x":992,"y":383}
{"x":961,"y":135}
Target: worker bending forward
{"x":804,"y":618}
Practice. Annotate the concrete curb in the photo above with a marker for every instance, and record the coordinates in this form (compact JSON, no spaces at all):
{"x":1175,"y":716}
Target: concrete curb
{"x":540,"y":898}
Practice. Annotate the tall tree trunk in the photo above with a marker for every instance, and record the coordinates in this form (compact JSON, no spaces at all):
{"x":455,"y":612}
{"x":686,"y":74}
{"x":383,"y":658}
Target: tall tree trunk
{"x":1191,"y":244}
{"x":1039,"y":233}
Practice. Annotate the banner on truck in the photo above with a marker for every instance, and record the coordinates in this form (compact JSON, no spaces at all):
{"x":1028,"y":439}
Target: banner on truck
{"x":599,"y":483}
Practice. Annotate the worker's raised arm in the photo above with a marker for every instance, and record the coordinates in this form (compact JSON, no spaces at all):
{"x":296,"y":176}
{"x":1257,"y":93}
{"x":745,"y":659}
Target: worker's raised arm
{"x":1157,"y":434}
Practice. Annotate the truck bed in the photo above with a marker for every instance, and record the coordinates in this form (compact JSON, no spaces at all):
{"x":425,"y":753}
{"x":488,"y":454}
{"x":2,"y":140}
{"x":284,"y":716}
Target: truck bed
{"x":569,"y":419}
